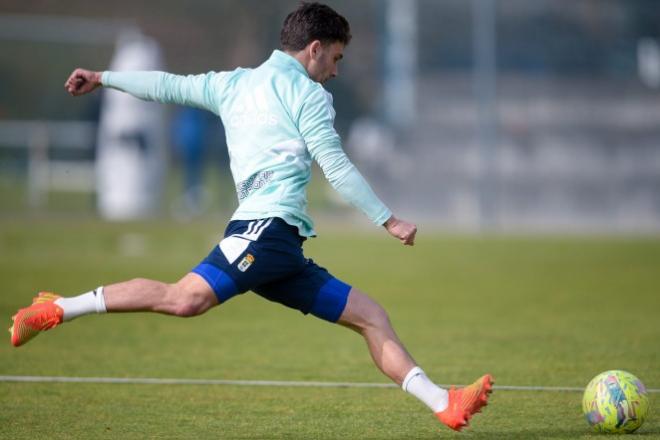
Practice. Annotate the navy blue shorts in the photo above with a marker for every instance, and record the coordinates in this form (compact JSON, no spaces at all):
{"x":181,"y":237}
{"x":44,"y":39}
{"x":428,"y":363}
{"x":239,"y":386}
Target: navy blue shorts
{"x":266,"y":256}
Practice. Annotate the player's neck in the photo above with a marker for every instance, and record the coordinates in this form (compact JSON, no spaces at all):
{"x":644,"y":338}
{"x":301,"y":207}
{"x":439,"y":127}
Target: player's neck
{"x":301,"y":56}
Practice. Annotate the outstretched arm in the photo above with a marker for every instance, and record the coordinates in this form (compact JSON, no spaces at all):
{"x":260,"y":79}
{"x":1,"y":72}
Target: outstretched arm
{"x":316,"y":126}
{"x":202,"y":91}
{"x":349,"y":182}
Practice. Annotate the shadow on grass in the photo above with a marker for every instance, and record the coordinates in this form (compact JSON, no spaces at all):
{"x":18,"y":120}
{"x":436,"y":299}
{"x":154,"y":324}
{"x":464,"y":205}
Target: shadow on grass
{"x":550,"y":433}
{"x":554,"y":433}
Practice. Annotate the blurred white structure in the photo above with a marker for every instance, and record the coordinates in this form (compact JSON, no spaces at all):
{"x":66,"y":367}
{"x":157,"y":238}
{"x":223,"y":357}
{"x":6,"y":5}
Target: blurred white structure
{"x":648,"y":62}
{"x":131,"y":156}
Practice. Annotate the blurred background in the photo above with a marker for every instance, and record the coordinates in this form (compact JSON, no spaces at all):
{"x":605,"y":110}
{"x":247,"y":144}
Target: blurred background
{"x":479,"y":115}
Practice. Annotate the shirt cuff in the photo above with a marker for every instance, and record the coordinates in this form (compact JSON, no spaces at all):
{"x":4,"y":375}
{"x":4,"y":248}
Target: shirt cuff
{"x":105,"y":78}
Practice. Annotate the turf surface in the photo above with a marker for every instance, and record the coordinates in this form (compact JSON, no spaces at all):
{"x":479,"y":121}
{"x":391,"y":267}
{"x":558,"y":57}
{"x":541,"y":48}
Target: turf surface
{"x":544,"y":311}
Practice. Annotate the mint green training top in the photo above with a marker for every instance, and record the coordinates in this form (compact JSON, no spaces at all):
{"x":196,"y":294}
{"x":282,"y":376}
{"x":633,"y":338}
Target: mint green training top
{"x":277,"y":119}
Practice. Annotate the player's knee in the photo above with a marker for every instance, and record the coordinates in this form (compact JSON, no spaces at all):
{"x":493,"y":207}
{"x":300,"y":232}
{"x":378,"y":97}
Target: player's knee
{"x":364,"y":314}
{"x":187,"y":304}
{"x":373,"y":317}
{"x":186,"y":310}
{"x":378,"y":317}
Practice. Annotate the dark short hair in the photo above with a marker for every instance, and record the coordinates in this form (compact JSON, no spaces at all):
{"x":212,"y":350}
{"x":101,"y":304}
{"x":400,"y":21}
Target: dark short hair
{"x":313,"y":21}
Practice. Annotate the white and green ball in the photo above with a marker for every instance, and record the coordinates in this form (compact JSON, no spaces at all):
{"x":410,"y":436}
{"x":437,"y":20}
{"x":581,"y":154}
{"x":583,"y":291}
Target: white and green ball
{"x":615,"y":402}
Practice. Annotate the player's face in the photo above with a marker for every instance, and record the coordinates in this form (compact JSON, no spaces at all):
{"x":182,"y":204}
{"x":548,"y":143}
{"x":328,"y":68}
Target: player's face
{"x":325,"y":58}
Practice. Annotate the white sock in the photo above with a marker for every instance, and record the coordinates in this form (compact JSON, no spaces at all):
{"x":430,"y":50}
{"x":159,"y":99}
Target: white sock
{"x":420,"y":386}
{"x":90,"y":302}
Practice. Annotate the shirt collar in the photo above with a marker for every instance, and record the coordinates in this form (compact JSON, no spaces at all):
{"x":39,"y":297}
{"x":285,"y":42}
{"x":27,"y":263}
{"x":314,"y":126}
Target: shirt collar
{"x":285,"y":60}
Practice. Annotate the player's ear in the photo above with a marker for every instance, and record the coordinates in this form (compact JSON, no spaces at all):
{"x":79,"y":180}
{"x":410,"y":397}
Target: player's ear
{"x":315,"y":49}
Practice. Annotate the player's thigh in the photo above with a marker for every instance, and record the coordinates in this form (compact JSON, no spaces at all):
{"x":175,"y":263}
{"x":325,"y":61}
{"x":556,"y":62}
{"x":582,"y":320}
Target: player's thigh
{"x":312,"y":290}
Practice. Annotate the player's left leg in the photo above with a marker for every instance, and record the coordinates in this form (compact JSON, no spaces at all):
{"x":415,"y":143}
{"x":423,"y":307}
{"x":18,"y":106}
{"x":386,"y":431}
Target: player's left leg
{"x":368,"y":318}
{"x":454,"y":408}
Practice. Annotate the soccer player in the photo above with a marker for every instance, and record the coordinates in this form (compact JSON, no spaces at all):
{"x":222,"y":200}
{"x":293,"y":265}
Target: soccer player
{"x":278,"y":118}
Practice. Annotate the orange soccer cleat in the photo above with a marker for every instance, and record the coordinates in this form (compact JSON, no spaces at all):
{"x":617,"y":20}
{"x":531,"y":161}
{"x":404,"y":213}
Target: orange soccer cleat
{"x":42,"y":315}
{"x":465,"y":402}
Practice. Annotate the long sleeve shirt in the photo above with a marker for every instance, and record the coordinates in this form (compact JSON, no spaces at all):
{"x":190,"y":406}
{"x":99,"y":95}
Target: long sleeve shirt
{"x":277,"y":119}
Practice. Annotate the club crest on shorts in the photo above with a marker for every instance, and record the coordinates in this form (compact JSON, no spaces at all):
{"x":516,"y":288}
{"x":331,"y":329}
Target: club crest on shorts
{"x":246,"y":262}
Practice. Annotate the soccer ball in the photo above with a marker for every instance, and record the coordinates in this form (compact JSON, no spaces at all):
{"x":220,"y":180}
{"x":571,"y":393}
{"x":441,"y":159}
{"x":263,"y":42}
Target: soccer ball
{"x":615,"y":402}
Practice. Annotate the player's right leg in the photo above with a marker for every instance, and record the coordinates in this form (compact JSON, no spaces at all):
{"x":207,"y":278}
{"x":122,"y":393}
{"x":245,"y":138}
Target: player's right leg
{"x":219,"y":277}
{"x":454,"y":408}
{"x":190,"y":296}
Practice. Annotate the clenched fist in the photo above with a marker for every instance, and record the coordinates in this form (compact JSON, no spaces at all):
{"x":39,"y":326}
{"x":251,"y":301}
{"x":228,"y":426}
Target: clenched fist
{"x":82,"y":81}
{"x":402,"y":230}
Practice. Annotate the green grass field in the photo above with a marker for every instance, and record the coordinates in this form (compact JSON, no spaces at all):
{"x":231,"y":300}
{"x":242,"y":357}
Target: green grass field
{"x":538,"y":311}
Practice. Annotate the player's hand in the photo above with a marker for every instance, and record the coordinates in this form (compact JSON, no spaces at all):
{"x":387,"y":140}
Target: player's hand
{"x":82,"y":81}
{"x":402,"y":230}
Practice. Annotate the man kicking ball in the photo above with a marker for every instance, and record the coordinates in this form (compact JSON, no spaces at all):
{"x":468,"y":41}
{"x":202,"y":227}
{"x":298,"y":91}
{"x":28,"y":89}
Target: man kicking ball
{"x":277,"y":118}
